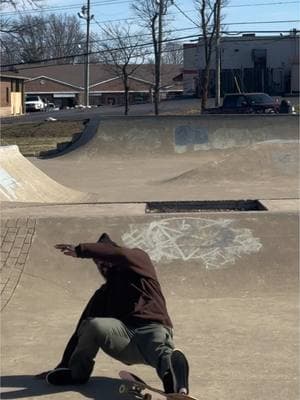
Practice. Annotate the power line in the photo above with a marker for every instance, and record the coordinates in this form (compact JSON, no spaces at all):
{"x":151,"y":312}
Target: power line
{"x":261,"y":22}
{"x":66,"y":7}
{"x":113,"y":2}
{"x":184,"y":14}
{"x":262,"y":4}
{"x":171,"y":31}
{"x":196,"y":36}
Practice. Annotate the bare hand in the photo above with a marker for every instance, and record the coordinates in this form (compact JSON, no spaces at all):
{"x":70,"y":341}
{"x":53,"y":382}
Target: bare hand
{"x":67,"y":249}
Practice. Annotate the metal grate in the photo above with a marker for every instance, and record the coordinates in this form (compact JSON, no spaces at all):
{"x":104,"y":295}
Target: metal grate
{"x":203,"y":206}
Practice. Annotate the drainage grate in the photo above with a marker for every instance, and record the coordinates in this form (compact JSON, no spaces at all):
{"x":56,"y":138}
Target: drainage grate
{"x":201,"y":206}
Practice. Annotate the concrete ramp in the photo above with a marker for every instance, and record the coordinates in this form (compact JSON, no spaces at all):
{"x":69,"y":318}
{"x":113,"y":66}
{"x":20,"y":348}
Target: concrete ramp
{"x":131,"y":159}
{"x":230,"y":280}
{"x":261,"y":170}
{"x":21,"y":181}
{"x":268,"y":159}
{"x":149,"y":136}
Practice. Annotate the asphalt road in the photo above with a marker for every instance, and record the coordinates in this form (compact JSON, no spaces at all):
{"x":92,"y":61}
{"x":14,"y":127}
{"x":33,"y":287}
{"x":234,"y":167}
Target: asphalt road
{"x":179,"y":106}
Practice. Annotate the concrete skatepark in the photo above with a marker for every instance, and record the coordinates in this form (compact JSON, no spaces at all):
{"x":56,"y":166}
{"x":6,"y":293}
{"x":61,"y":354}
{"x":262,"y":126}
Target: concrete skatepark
{"x":230,"y":277}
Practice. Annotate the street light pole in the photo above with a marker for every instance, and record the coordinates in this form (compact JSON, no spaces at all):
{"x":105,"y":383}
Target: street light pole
{"x":85,"y":14}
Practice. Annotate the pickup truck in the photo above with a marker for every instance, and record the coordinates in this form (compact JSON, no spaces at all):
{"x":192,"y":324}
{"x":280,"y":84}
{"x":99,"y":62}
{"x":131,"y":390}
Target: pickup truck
{"x":34,"y":103}
{"x":247,"y":103}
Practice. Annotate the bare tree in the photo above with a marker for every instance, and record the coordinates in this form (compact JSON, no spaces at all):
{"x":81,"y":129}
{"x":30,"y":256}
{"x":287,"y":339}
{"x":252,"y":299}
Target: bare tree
{"x":210,"y":17}
{"x":64,"y":38}
{"x":122,"y":51}
{"x":172,"y":53}
{"x":151,"y":13}
{"x":6,"y":26}
{"x":16,"y":4}
{"x":37,"y":38}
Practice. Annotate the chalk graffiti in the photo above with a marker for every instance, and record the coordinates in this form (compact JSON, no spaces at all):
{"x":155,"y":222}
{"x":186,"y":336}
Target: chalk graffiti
{"x":8,"y":185}
{"x":189,"y":138}
{"x":215,"y":243}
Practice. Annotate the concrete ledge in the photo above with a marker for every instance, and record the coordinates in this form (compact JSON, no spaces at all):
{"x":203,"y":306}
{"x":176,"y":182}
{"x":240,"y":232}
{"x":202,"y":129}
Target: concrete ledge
{"x":284,"y":205}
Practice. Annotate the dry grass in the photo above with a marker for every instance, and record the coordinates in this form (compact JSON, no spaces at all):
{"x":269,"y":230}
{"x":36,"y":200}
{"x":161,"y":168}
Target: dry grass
{"x":32,"y":138}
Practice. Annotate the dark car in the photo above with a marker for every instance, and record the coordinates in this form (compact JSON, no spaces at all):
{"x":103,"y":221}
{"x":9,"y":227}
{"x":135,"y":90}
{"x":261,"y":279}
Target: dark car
{"x":248,"y":103}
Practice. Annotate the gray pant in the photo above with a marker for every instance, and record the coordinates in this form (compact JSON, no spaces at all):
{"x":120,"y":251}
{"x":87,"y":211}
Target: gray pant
{"x":150,"y":344}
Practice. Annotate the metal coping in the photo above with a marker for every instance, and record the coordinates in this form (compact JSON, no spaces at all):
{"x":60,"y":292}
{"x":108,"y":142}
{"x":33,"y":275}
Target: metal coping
{"x":204,"y":206}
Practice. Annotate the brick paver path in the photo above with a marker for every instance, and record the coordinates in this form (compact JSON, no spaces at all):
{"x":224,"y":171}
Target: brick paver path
{"x":16,"y":239}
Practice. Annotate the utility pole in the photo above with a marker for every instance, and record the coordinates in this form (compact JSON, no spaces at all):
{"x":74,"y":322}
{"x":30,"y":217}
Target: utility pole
{"x":160,"y":12}
{"x":85,"y":14}
{"x":218,"y":55}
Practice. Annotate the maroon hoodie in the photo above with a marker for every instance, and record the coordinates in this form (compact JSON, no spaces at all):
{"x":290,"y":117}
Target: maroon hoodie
{"x":132,"y":292}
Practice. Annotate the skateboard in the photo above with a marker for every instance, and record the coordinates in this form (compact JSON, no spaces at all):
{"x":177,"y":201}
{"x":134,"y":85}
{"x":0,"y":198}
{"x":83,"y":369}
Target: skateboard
{"x":132,"y":384}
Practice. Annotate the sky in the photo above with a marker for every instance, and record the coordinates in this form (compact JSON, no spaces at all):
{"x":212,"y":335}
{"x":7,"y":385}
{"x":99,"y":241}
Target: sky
{"x":239,"y":16}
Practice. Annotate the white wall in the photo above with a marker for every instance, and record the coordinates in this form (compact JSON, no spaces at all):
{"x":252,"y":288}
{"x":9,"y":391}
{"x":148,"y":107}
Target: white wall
{"x":236,"y":53}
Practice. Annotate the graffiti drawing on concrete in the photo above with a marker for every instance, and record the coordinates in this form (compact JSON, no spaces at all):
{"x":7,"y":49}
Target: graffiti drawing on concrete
{"x":189,"y":138}
{"x":215,"y":243}
{"x":8,"y":185}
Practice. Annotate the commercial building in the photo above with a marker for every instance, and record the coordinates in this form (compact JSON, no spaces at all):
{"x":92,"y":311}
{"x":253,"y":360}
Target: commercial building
{"x":249,"y":63}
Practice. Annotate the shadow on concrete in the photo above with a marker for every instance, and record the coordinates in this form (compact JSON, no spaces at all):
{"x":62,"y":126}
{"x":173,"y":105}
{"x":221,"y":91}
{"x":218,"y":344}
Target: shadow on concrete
{"x":27,"y":386}
{"x":90,"y":130}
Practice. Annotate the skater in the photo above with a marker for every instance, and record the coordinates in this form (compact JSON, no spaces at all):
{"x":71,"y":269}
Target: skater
{"x":126,"y":317}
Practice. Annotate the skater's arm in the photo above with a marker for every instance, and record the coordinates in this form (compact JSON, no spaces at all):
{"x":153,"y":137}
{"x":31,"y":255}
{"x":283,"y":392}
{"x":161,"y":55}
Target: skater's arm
{"x":135,"y":259}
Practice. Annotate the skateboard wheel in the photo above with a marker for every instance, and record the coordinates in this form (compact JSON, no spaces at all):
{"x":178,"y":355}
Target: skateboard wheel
{"x":147,"y":396}
{"x":122,"y":389}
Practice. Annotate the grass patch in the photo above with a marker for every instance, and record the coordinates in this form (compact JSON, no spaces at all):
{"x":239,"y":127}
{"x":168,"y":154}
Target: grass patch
{"x":32,"y":138}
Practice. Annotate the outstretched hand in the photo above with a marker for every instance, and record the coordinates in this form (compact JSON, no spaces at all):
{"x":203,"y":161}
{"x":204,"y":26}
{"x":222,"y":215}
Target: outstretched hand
{"x":67,"y":249}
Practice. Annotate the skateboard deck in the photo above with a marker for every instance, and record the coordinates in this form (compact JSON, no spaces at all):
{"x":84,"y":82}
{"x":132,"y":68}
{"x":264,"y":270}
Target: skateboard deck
{"x":132,"y":384}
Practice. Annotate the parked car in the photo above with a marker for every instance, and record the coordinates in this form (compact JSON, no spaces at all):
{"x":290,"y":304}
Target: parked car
{"x":247,"y":103}
{"x":51,"y":107}
{"x":34,"y":103}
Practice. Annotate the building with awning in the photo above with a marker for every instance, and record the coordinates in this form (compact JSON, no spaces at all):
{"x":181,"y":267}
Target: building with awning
{"x":63,"y":85}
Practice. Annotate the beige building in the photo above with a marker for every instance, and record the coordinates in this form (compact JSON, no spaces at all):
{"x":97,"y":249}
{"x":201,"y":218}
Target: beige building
{"x":250,"y":63}
{"x":63,"y":85}
{"x":11,"y":94}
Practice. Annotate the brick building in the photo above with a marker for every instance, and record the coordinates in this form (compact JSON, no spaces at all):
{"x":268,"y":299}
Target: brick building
{"x":11,"y":94}
{"x":63,"y":85}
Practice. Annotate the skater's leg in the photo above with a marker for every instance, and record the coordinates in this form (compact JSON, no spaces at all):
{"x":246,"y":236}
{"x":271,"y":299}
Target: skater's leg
{"x":109,"y":334}
{"x":156,"y":345}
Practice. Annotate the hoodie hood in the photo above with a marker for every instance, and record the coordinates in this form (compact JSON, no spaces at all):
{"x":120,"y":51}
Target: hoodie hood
{"x":104,"y":238}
